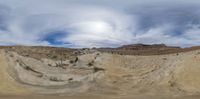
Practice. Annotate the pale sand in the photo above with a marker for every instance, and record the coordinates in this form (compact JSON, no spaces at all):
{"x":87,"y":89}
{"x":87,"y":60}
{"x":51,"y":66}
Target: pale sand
{"x":170,"y":74}
{"x":97,"y":97}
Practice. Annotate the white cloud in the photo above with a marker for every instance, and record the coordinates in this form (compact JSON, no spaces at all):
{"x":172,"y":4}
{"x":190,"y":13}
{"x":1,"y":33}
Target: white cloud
{"x":102,"y":23}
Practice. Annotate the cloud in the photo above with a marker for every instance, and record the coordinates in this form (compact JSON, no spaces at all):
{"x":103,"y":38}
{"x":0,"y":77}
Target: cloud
{"x":99,"y":23}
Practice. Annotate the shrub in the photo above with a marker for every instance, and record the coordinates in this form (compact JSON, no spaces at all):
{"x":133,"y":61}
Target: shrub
{"x":54,"y":57}
{"x":53,"y":79}
{"x":71,"y":61}
{"x":91,"y":63}
{"x":11,"y":55}
{"x":76,"y":59}
{"x":97,"y":69}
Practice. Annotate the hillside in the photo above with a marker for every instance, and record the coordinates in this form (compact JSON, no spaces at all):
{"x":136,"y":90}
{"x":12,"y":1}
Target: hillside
{"x":144,"y":49}
{"x":161,"y":71}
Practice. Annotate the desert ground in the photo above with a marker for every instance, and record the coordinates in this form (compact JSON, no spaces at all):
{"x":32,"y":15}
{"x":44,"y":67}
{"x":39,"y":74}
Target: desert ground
{"x":97,"y":97}
{"x":128,"y":72}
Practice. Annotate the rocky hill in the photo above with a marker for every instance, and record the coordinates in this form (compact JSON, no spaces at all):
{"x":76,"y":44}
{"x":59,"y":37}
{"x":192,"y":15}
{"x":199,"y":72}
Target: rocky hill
{"x":144,"y":49}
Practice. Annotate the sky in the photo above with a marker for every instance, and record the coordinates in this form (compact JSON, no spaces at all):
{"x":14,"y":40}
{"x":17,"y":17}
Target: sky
{"x":99,"y":23}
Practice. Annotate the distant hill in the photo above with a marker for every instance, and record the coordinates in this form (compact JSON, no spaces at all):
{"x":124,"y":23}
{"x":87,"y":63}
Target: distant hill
{"x":145,"y":49}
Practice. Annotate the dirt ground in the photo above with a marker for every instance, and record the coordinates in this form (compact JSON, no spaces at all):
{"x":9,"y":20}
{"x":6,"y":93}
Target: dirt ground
{"x":97,"y":97}
{"x":97,"y":75}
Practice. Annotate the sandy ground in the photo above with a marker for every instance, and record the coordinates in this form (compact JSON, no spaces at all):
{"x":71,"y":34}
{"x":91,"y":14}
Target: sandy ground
{"x":124,"y":77}
{"x":7,"y":84}
{"x":97,"y":97}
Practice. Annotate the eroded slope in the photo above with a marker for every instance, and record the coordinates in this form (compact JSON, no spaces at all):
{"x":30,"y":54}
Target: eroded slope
{"x":102,"y":73}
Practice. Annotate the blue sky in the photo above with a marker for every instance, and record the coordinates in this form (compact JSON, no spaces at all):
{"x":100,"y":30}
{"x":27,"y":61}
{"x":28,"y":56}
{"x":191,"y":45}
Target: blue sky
{"x":99,"y":23}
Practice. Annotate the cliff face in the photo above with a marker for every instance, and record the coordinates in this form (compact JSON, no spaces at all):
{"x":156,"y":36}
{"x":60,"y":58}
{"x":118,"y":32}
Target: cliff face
{"x":101,"y":73}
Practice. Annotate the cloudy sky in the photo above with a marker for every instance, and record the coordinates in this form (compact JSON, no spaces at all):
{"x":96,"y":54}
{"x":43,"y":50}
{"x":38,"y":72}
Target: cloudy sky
{"x":99,"y":23}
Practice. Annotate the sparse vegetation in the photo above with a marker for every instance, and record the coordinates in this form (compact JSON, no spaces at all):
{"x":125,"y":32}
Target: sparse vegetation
{"x":91,"y":63}
{"x":54,"y":57}
{"x":11,"y":55}
{"x":54,"y":79}
{"x":49,"y":65}
{"x":70,"y":79}
{"x":164,"y":58}
{"x":39,"y":52}
{"x":97,"y":69}
{"x":71,"y":61}
{"x":76,"y":59}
